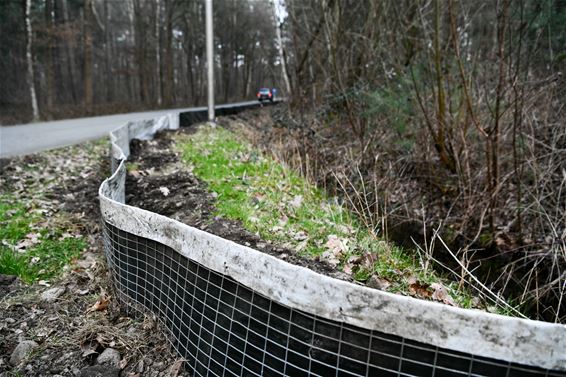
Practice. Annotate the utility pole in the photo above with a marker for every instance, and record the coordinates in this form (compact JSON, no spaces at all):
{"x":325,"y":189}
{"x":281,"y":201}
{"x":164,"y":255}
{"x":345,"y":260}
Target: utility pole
{"x":210,"y":59}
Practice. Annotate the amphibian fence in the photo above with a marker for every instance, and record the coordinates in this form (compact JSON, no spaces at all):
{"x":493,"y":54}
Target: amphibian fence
{"x":234,"y":311}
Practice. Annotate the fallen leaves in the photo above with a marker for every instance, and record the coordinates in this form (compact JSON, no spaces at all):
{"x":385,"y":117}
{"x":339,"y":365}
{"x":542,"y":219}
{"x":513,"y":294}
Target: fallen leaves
{"x":441,"y":294}
{"x":378,"y":283}
{"x":336,"y":248}
{"x":30,"y":240}
{"x":416,"y":288}
{"x":434,"y":291}
{"x":101,"y":304}
{"x":336,"y":245}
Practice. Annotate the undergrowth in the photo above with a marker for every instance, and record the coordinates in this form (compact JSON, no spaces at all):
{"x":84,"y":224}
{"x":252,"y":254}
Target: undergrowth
{"x":279,"y":205}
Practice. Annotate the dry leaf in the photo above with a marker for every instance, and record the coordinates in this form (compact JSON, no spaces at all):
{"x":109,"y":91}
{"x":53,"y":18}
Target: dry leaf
{"x":441,"y":294}
{"x":348,"y":268}
{"x":336,"y":245}
{"x":378,"y":283}
{"x":176,"y":368}
{"x":89,"y":352}
{"x":416,"y":288}
{"x":368,"y":260}
{"x":330,"y":258}
{"x":301,"y":246}
{"x":89,"y":348}
{"x":30,"y":239}
{"x":100,"y":305}
{"x":355,"y":259}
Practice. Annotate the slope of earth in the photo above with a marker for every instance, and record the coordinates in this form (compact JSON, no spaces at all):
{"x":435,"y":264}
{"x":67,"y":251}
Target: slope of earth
{"x":160,"y":182}
{"x":176,"y":175}
{"x":63,"y":321}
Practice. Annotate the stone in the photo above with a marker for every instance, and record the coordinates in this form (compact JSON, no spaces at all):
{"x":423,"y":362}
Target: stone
{"x":99,"y":371}
{"x":51,"y":295}
{"x":21,"y":351}
{"x":109,"y":357}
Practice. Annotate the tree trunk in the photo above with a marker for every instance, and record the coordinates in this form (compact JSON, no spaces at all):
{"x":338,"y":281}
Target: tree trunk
{"x":108,"y":53}
{"x":29,"y":60}
{"x":88,"y":66}
{"x":68,"y":50}
{"x":140,"y":49}
{"x":49,"y":58}
{"x":168,"y":83}
{"x":158,"y":52}
{"x":281,"y":53}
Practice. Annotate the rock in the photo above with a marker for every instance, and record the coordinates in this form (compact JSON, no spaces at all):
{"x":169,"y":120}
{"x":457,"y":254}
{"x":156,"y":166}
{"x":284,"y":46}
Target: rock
{"x":52,"y":294}
{"x":99,"y":371}
{"x":22,"y":350}
{"x":109,"y":357}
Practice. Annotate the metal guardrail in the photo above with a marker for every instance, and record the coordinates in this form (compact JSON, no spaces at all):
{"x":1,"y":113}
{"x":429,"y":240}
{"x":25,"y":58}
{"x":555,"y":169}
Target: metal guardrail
{"x":231,"y":310}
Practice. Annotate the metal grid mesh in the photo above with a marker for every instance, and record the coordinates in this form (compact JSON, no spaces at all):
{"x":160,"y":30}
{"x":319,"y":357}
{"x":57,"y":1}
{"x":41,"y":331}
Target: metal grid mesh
{"x":223,"y":328}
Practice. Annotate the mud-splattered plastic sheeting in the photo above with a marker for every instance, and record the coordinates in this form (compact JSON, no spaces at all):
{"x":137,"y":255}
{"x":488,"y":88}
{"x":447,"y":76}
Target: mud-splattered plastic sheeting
{"x":232,"y":310}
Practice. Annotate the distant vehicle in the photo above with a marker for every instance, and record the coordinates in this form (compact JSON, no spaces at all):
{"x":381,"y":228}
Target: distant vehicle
{"x":264,"y":94}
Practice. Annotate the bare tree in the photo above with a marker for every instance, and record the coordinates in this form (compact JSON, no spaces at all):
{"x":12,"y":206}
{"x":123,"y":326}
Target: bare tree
{"x":87,"y":59}
{"x":282,"y":59}
{"x":29,"y":60}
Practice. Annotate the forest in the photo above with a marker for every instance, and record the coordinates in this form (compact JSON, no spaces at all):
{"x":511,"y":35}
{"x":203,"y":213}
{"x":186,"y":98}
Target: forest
{"x":439,"y":122}
{"x":96,"y":57}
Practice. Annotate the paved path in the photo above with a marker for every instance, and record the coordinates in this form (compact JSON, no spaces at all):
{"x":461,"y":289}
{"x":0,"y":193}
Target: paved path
{"x":36,"y":137}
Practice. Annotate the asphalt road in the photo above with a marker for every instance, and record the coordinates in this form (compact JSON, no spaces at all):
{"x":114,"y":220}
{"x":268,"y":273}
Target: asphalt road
{"x":36,"y":137}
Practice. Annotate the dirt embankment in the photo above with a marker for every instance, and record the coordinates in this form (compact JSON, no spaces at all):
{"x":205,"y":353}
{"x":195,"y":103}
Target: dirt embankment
{"x":160,"y":182}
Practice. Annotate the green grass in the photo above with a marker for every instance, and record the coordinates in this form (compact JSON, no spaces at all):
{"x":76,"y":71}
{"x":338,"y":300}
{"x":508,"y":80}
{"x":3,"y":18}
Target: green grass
{"x":266,"y":197}
{"x":14,"y":220}
{"x":44,"y":259}
{"x":279,"y":205}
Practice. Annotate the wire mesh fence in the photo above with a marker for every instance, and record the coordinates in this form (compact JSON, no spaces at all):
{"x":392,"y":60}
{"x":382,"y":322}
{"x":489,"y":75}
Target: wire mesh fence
{"x":223,"y":328}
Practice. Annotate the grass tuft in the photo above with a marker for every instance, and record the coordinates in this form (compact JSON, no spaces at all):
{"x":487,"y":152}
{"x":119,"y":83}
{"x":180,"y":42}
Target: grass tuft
{"x":43,"y":258}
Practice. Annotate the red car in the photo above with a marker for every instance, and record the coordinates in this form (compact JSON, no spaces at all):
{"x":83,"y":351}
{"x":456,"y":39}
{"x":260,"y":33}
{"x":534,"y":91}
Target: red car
{"x":264,"y":94}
